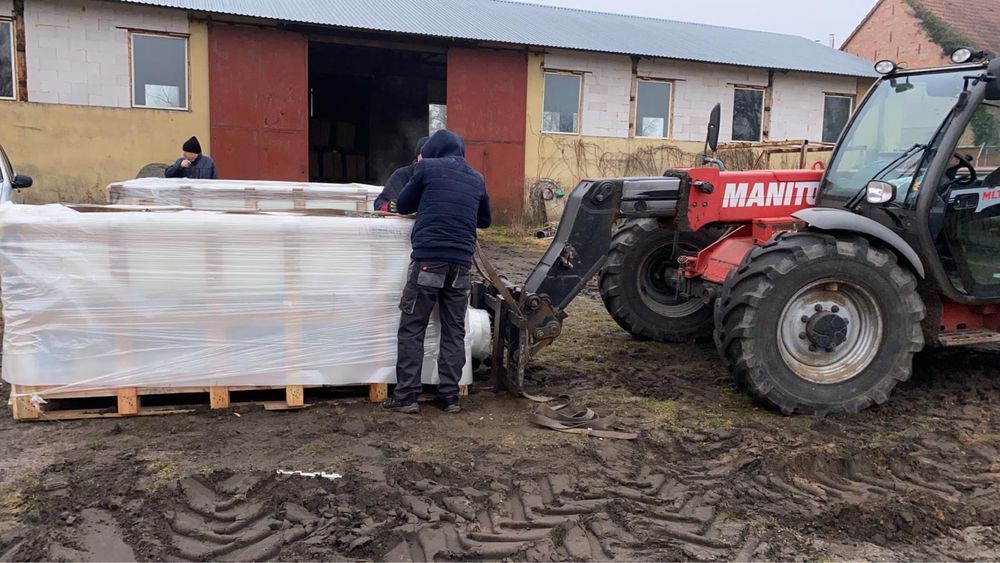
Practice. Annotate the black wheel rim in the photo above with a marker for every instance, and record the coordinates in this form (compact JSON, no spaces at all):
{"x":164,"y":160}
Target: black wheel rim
{"x":657,"y":282}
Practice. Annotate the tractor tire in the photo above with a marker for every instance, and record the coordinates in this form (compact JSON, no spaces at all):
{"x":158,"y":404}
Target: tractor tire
{"x":637,"y":290}
{"x":816,"y":324}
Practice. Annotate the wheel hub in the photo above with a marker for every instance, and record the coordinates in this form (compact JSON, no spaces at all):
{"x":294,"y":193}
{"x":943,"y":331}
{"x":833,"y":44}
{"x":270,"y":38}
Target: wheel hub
{"x":657,"y":283}
{"x":826,"y":330}
{"x":830,"y":331}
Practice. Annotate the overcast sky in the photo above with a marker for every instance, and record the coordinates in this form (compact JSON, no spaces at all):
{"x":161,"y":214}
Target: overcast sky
{"x":814,"y":19}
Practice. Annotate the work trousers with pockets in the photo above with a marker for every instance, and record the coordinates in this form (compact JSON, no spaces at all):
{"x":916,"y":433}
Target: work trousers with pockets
{"x":429,"y":283}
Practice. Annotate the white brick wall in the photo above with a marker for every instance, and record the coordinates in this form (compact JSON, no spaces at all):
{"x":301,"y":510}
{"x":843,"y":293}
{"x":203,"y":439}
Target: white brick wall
{"x":797,"y":110}
{"x":78,"y":52}
{"x":798,"y":103}
{"x":607,"y":81}
{"x":698,"y":88}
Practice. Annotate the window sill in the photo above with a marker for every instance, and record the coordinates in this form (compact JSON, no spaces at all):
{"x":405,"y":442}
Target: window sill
{"x":576,"y":134}
{"x":160,"y":108}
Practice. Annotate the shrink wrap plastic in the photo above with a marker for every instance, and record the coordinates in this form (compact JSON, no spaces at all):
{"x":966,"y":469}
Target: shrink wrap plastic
{"x":200,"y":298}
{"x":243,"y":194}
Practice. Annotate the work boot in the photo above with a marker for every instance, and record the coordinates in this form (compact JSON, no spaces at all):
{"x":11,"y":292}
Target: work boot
{"x":448,"y":403}
{"x":395,"y":405}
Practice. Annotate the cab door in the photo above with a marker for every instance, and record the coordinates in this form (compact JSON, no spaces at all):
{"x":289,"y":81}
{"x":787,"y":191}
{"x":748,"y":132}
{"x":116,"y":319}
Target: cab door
{"x":971,"y":222}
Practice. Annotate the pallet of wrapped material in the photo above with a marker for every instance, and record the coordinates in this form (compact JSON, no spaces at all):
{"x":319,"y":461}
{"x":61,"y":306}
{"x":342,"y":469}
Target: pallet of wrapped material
{"x":191,"y":298}
{"x":243,"y":194}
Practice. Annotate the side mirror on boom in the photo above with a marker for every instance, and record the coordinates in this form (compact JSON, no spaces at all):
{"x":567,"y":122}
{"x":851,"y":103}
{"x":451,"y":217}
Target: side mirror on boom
{"x":712,"y":140}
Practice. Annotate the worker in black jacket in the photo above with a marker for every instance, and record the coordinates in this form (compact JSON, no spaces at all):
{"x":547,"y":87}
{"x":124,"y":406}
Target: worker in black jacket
{"x":450,"y":201}
{"x":386,"y":201}
{"x":192,"y":164}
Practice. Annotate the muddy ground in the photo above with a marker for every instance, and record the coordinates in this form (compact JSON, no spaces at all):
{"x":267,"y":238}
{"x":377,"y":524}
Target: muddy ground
{"x":712,"y":476}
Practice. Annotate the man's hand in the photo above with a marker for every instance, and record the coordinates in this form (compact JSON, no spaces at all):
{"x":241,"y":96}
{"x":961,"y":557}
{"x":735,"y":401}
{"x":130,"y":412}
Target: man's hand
{"x":185,"y":163}
{"x":392,"y":206}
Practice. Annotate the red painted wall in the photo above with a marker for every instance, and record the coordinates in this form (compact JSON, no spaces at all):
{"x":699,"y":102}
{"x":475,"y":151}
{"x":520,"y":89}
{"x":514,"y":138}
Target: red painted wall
{"x":259,"y":101}
{"x":487,"y":103}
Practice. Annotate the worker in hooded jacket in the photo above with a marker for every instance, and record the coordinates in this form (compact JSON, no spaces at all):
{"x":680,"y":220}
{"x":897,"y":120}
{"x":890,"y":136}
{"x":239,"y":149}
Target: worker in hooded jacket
{"x":386,"y":201}
{"x":450,"y":201}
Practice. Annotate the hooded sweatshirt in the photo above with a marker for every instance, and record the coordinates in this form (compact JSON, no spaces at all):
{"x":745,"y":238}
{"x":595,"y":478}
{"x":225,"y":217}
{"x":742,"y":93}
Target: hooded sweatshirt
{"x":450,"y":200}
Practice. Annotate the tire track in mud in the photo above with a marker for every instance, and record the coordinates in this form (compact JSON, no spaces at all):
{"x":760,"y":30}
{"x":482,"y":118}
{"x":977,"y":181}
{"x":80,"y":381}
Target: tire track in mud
{"x":553,"y":517}
{"x":904,"y":489}
{"x":225,"y":521}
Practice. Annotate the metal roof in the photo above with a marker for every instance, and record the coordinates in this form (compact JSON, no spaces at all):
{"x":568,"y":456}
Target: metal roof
{"x":504,"y":21}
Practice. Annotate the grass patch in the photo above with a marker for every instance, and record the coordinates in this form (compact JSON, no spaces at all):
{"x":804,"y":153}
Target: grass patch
{"x":13,"y":501}
{"x":162,"y":473}
{"x":733,"y":410}
{"x":512,"y":236}
{"x":583,"y":344}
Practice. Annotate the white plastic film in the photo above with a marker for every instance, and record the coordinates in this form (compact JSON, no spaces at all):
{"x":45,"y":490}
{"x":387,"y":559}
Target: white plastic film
{"x":199,"y":298}
{"x":243,"y":194}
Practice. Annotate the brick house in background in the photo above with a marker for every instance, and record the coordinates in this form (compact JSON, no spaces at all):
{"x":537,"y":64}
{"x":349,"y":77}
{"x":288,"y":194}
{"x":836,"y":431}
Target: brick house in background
{"x":923,"y":33}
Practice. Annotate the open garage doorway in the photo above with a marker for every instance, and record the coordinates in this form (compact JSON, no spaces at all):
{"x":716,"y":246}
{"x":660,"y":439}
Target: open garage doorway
{"x":368,"y":106}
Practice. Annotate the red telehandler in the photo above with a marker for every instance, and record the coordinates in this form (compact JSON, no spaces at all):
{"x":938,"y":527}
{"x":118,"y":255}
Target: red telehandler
{"x":817,"y":285}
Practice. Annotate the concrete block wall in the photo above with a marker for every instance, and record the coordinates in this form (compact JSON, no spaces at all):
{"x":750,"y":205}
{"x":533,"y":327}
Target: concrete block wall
{"x":78,"y":51}
{"x":607,"y":83}
{"x":797,"y":108}
{"x":697,"y":88}
{"x":892,"y":31}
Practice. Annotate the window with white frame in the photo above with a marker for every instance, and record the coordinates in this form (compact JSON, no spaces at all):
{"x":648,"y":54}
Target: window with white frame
{"x":652,"y":108}
{"x":748,"y":114}
{"x":7,"y":59}
{"x":561,"y":104}
{"x":836,"y":112}
{"x":159,"y":71}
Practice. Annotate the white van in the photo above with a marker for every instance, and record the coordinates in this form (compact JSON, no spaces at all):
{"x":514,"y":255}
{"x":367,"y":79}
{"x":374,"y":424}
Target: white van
{"x":9,"y":180}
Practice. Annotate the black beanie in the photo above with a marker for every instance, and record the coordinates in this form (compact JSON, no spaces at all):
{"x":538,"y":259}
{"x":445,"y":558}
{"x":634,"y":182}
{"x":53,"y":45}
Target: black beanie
{"x":192,"y":145}
{"x":420,"y":145}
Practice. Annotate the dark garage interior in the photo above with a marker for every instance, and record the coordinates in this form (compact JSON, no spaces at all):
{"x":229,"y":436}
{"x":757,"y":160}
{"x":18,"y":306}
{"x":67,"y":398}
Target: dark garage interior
{"x":368,"y":108}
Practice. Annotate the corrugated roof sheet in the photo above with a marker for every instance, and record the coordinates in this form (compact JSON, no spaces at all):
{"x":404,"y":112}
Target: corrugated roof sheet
{"x":546,"y":26}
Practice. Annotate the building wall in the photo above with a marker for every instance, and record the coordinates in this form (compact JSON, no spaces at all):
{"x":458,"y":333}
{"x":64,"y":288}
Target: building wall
{"x":892,"y":31}
{"x":74,"y":151}
{"x":78,"y":50}
{"x":259,"y":121}
{"x":797,"y":110}
{"x":605,"y":146}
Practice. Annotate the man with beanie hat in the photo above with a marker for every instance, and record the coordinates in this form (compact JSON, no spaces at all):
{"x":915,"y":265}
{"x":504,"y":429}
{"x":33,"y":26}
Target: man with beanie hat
{"x":386,"y":201}
{"x":450,"y":200}
{"x":193,"y":164}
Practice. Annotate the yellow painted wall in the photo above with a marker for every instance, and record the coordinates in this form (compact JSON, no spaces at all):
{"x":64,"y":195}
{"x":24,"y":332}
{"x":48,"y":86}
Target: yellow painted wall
{"x":74,"y":152}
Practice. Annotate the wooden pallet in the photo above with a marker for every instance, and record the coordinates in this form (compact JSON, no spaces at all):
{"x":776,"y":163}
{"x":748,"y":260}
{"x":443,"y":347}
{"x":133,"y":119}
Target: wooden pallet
{"x":129,"y":400}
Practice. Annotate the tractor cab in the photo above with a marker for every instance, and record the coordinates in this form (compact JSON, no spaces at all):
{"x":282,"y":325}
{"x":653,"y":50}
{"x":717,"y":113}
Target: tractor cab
{"x":921,"y":156}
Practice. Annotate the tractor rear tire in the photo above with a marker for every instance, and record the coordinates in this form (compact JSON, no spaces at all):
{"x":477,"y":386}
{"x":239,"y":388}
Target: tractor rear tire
{"x":815,"y":324}
{"x":637,"y":288}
